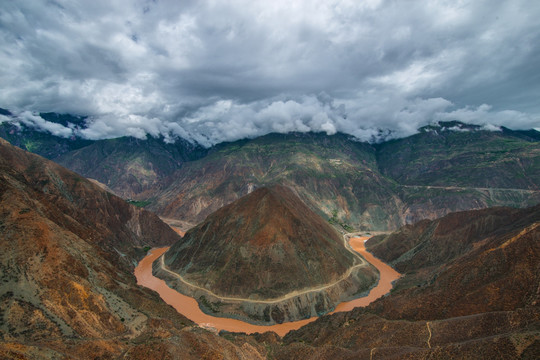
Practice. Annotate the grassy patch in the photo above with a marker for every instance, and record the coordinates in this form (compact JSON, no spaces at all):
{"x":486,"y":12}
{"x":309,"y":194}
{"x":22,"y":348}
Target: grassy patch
{"x":139,"y":203}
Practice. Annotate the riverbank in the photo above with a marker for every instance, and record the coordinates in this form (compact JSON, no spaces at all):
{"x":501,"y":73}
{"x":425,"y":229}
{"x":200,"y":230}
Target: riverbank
{"x":190,"y":308}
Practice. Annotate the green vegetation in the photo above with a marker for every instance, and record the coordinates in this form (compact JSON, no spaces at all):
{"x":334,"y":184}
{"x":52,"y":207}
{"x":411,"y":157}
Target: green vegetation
{"x":474,"y":158}
{"x":41,"y":143}
{"x":438,"y":169}
{"x":335,"y":221}
{"x":139,"y":203}
{"x":213,"y":307}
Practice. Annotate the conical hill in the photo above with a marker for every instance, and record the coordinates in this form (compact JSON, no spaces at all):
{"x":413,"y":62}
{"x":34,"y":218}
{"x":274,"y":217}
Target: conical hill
{"x":262,"y":246}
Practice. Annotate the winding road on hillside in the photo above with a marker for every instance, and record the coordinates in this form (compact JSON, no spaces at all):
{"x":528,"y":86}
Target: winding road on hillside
{"x":288,"y":296}
{"x":189,"y":306}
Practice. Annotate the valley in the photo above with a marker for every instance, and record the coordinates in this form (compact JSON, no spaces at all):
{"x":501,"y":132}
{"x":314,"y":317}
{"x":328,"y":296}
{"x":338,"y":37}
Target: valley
{"x":468,"y":286}
{"x":188,"y":306}
{"x":265,"y":258}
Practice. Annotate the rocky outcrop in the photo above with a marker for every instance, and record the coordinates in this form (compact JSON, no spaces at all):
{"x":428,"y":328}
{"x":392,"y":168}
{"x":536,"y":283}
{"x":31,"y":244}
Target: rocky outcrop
{"x":257,"y":259}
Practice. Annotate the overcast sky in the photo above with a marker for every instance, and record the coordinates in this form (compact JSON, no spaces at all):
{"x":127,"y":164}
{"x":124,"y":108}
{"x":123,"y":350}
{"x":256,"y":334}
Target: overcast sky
{"x":224,"y":70}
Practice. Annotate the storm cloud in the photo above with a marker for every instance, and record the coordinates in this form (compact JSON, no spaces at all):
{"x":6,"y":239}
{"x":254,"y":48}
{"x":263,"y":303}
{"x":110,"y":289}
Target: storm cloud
{"x":222,"y":70}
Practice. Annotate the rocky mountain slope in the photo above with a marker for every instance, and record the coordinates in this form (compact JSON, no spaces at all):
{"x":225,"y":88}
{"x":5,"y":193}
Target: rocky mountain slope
{"x":469,"y":291}
{"x":265,"y":246}
{"x":446,"y":167}
{"x":363,"y":186}
{"x":129,"y":166}
{"x":491,"y":256}
{"x":470,"y":288}
{"x":332,"y":174}
{"x":68,"y":251}
{"x":453,"y":154}
{"x":41,"y":142}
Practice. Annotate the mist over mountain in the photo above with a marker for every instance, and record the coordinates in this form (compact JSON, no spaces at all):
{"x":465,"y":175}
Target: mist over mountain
{"x":358,"y":185}
{"x":67,"y":289}
{"x":84,"y":129}
{"x":269,"y":134}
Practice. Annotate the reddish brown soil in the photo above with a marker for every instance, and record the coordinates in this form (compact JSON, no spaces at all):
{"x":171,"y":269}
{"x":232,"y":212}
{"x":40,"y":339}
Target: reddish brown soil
{"x":469,"y":289}
{"x":263,"y":246}
{"x":68,"y":249}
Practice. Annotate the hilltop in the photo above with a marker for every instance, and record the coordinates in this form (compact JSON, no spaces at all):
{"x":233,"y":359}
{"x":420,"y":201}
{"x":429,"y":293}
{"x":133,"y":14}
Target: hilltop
{"x":265,"y":246}
{"x":469,"y":290}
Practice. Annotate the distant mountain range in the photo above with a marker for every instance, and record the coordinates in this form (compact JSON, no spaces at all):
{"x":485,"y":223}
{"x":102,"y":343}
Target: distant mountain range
{"x":127,"y":165}
{"x":449,"y":166}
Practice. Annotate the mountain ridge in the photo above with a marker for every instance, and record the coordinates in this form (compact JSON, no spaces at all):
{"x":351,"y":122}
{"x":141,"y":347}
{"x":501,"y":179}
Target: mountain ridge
{"x":469,"y":289}
{"x":66,"y":268}
{"x":448,"y":166}
{"x":359,"y":185}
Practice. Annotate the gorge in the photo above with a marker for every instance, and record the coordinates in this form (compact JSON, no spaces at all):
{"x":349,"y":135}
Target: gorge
{"x":189,"y":307}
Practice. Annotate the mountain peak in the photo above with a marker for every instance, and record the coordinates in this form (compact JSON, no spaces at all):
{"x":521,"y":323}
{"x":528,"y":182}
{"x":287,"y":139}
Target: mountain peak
{"x":261,"y":235}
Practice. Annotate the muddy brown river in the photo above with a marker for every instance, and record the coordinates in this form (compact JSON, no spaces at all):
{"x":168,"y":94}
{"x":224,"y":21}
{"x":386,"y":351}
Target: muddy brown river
{"x":188,"y":307}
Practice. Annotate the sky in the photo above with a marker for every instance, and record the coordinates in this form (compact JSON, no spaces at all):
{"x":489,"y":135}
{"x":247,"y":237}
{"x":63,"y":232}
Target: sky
{"x":214,"y":71}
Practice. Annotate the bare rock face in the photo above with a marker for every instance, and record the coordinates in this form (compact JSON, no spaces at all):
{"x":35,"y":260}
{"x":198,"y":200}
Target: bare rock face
{"x":257,"y":258}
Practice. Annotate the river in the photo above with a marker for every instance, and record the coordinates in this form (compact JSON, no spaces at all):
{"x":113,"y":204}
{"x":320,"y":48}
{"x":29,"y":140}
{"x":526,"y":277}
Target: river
{"x":188,"y":306}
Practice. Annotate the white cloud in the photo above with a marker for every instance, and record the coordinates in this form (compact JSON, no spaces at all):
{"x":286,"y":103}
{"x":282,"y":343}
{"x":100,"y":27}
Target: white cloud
{"x":222,"y":70}
{"x":484,"y":115}
{"x":35,"y":121}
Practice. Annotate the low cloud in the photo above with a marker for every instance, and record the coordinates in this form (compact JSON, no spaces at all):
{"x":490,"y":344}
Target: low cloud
{"x":37,"y":122}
